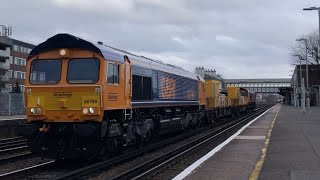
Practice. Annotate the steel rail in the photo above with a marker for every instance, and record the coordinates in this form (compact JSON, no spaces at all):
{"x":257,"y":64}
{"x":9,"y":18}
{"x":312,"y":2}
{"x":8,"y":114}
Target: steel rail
{"x":12,"y":145}
{"x":14,"y":148}
{"x":11,"y":139}
{"x":11,"y":158}
{"x":26,"y":171}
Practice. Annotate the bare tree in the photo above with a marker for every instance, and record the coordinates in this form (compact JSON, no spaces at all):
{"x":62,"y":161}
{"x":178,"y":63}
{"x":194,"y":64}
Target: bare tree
{"x":298,"y":51}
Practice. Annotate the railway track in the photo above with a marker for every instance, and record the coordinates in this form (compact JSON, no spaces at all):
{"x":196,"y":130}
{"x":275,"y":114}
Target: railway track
{"x":145,"y":170}
{"x":12,"y":149}
{"x":13,"y":144}
{"x":138,"y":170}
{"x":152,"y":168}
{"x":27,"y":171}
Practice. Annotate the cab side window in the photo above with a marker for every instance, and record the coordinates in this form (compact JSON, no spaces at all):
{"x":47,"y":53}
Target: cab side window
{"x":113,"y":73}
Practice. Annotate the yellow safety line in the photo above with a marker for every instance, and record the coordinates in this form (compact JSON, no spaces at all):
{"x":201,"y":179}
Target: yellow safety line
{"x":255,"y":173}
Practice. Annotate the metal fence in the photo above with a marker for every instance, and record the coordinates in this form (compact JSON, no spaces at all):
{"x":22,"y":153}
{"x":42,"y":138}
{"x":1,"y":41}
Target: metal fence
{"x":12,"y":104}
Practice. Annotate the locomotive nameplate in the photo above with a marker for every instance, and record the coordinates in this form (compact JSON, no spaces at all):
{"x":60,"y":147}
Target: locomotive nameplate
{"x":90,"y":101}
{"x":62,"y":94}
{"x":112,"y":96}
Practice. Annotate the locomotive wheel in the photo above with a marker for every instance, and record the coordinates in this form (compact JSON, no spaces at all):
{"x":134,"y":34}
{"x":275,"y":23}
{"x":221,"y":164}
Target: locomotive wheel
{"x":139,"y":141}
{"x":147,"y":138}
{"x":188,"y":121}
{"x":233,"y":115}
{"x":212,"y":118}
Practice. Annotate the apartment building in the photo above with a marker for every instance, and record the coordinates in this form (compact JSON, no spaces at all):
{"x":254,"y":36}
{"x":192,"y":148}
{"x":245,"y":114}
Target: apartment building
{"x":5,"y":47}
{"x":16,"y":53}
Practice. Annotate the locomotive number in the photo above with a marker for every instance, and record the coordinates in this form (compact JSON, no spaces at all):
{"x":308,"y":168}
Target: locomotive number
{"x":90,"y":101}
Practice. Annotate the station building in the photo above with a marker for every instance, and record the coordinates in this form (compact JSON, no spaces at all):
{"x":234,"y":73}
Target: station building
{"x":313,"y":82}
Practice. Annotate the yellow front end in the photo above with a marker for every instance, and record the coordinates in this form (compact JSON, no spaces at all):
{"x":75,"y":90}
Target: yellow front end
{"x":64,"y":104}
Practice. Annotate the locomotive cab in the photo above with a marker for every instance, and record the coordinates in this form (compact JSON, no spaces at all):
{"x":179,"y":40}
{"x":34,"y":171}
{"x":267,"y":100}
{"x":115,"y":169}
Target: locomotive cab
{"x":63,"y":101}
{"x":69,"y":85}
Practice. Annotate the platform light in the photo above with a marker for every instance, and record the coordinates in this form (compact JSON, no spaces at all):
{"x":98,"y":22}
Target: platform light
{"x":311,"y":8}
{"x":308,"y":91}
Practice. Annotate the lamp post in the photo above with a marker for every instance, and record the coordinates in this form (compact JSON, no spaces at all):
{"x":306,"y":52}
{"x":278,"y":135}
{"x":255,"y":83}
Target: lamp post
{"x":307,"y":72}
{"x":313,"y":9}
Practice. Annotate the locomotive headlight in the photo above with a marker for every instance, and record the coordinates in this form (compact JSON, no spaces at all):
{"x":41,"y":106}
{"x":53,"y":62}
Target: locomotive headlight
{"x":85,"y":110}
{"x":33,"y":110}
{"x":91,"y":110}
{"x":38,"y":110}
{"x":63,"y":52}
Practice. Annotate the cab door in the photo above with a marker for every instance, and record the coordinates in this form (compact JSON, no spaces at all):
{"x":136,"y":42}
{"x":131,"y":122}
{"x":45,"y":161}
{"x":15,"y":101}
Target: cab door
{"x":118,"y":87}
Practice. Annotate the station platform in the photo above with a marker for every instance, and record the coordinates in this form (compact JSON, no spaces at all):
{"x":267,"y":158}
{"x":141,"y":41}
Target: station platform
{"x":284,"y":143}
{"x":12,"y":126}
{"x":294,"y":149}
{"x":12,"y":120}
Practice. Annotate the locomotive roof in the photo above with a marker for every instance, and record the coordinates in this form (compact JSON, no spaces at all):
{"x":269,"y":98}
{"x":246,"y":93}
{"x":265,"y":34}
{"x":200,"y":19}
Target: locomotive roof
{"x":109,"y":53}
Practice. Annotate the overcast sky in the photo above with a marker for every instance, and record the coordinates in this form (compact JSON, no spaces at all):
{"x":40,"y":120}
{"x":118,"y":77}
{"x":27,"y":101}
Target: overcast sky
{"x":238,"y":38}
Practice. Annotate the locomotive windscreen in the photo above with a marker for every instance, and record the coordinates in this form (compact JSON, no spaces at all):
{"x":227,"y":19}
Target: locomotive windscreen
{"x":46,"y":71}
{"x":83,"y":71}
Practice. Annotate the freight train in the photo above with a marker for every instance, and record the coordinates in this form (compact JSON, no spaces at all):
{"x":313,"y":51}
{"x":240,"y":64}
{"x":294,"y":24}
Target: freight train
{"x":86,"y":99}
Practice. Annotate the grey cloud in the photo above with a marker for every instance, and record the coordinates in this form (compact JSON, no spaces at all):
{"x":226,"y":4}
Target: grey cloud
{"x":247,"y":38}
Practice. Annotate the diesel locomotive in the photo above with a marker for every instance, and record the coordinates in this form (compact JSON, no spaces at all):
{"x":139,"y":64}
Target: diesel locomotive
{"x":86,"y":99}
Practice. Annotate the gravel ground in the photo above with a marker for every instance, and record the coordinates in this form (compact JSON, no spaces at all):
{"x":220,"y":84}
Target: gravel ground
{"x":117,"y":169}
{"x":59,"y":168}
